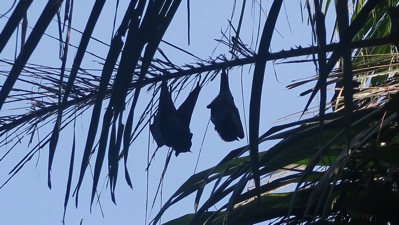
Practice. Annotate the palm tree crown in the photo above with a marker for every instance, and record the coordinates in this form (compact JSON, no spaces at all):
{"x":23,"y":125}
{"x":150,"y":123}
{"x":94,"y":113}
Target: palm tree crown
{"x":340,"y":165}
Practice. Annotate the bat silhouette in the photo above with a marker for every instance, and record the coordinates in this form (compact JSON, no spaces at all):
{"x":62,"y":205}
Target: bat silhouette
{"x":224,"y":113}
{"x":171,"y":127}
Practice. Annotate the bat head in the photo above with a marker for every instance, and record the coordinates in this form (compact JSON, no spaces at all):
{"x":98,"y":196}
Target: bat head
{"x":182,"y":143}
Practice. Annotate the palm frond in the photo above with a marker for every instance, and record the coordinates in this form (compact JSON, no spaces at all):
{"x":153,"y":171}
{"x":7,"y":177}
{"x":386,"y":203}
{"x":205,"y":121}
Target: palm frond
{"x":318,"y":168}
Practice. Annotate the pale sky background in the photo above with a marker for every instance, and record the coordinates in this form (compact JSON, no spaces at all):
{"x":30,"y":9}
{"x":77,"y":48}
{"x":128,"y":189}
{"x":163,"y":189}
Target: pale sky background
{"x":27,"y":199}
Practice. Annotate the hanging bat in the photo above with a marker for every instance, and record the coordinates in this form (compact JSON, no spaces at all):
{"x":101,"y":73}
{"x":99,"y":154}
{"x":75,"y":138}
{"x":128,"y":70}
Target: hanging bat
{"x":171,"y":127}
{"x":224,"y":113}
{"x":182,"y":142}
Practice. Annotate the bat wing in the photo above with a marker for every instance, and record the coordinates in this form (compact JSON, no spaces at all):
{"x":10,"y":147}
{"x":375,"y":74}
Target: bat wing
{"x":226,"y":118}
{"x":184,"y":114}
{"x":185,"y":111}
{"x":224,"y":114}
{"x":155,"y":129}
{"x":167,"y":129}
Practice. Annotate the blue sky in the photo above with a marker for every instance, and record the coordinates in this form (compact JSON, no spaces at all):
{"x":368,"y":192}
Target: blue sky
{"x":27,"y":200}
